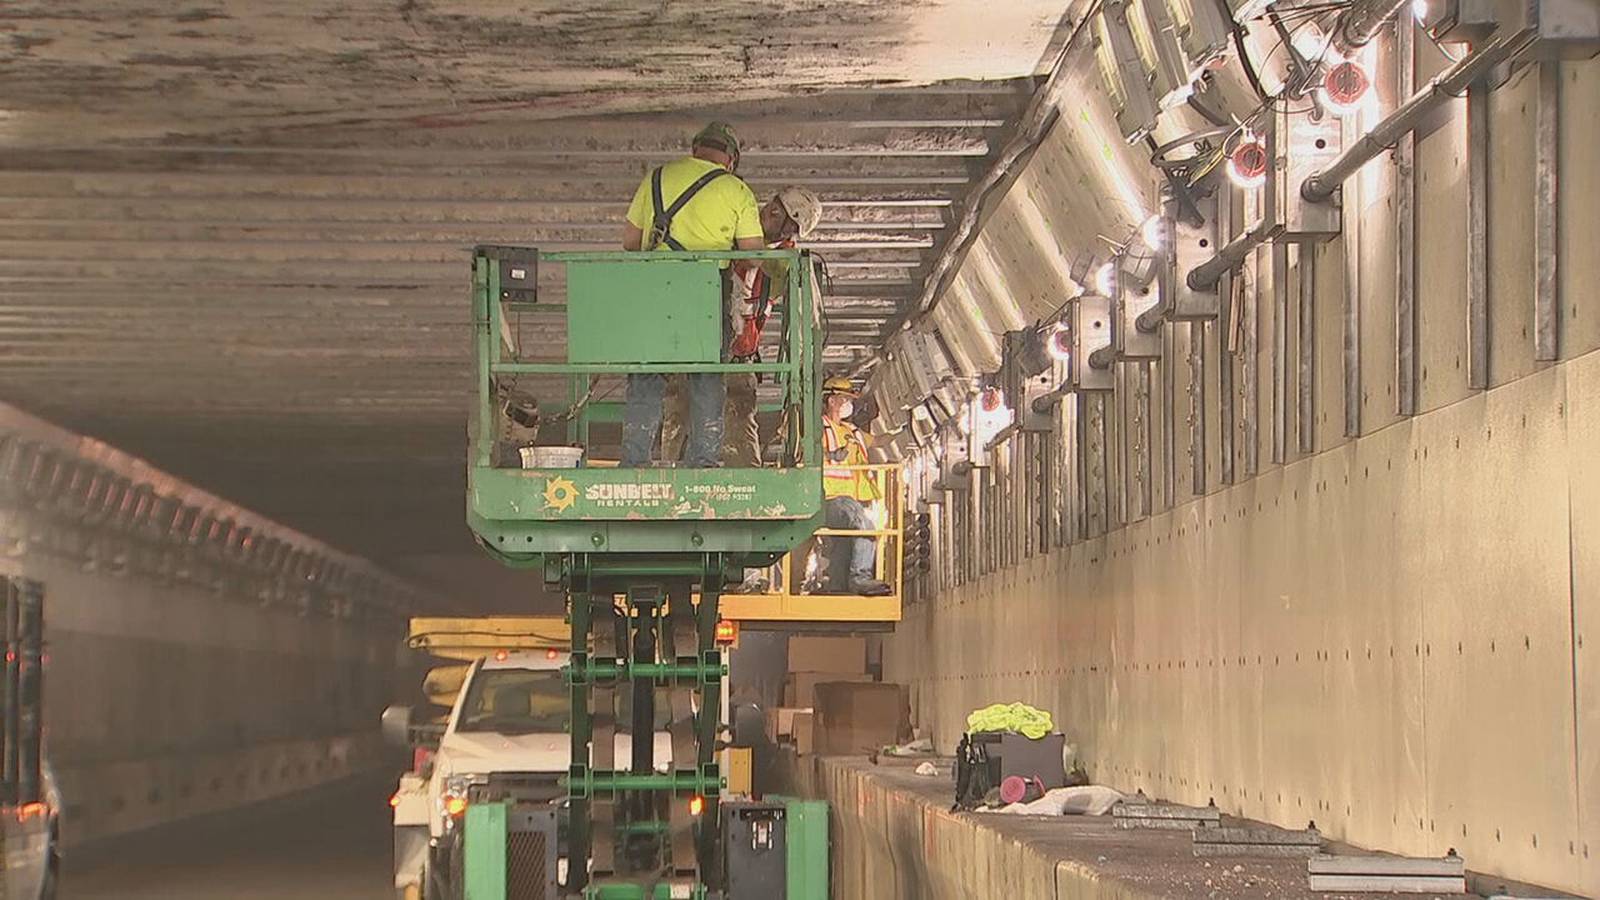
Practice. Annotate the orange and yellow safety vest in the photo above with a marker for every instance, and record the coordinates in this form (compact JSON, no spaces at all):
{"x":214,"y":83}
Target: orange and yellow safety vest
{"x":842,"y":482}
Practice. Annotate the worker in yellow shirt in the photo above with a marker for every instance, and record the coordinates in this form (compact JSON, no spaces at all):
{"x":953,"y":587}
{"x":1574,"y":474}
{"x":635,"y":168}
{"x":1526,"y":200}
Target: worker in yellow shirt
{"x":846,"y":493}
{"x":695,"y":203}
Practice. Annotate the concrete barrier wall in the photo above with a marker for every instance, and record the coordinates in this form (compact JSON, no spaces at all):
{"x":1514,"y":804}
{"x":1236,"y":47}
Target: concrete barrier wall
{"x":164,"y":702}
{"x":894,"y":837}
{"x":187,"y":669}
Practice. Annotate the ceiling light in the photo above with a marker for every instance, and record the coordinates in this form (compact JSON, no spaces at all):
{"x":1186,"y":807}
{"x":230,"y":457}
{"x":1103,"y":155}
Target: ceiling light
{"x":1344,"y":87}
{"x":1247,"y":164}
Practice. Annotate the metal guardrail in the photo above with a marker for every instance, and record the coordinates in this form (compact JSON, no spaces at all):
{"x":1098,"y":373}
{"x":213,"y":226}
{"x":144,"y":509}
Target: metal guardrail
{"x":785,"y":600}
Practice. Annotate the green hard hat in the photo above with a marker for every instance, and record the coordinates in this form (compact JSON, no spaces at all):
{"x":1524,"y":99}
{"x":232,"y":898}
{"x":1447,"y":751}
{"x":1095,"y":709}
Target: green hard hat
{"x":718,"y":136}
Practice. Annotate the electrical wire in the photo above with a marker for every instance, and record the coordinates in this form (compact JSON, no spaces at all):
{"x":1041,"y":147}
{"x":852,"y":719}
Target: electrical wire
{"x":1250,"y":72}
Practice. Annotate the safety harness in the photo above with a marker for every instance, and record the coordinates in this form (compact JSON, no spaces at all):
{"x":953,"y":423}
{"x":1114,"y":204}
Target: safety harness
{"x":661,"y":223}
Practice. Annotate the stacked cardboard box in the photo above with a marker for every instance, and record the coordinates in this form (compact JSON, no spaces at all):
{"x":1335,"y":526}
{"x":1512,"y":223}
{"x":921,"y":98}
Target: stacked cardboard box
{"x":819,"y":660}
{"x":860,"y":718}
{"x":859,"y":714}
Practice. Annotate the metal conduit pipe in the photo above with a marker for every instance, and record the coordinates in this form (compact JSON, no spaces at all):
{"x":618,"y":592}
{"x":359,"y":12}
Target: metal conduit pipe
{"x":1205,"y":276}
{"x":1359,"y":24}
{"x":1149,"y":321}
{"x":1447,"y":85}
{"x":1043,"y":403}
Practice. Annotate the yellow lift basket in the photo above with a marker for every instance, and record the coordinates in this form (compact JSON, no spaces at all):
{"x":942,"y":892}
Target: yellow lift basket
{"x":784,"y":599}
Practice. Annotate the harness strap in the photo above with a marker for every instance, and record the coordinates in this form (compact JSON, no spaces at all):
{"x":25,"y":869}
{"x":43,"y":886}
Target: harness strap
{"x":661,"y":222}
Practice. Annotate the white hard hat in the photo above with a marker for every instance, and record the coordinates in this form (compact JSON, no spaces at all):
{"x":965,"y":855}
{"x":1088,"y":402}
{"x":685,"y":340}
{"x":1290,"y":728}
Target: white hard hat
{"x":802,"y":206}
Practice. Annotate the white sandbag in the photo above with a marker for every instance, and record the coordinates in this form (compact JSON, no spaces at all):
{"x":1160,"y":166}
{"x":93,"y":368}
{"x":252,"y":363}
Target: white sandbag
{"x":1089,"y":800}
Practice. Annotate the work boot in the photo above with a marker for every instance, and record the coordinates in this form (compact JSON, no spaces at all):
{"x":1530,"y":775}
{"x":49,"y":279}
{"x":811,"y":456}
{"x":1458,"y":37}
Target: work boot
{"x":870,"y":587}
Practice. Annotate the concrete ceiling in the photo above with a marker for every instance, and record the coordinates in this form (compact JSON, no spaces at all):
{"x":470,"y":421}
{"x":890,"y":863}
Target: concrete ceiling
{"x":233,"y":234}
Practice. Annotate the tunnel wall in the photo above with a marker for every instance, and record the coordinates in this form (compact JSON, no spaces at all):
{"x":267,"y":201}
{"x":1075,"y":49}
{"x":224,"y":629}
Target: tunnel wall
{"x":1392,"y":632}
{"x":198,"y":657}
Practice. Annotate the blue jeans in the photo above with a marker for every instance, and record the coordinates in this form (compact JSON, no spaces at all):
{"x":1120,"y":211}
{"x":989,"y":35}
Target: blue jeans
{"x":641,"y":418}
{"x":849,"y":513}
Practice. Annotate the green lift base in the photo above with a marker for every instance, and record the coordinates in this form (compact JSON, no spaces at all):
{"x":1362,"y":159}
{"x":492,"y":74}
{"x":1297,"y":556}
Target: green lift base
{"x":806,"y":866}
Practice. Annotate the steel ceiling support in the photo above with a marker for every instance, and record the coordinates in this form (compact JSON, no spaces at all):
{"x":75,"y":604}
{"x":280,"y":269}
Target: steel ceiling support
{"x":1405,"y":231}
{"x":1305,"y":406}
{"x":1280,"y":352}
{"x":1546,"y":215}
{"x":1478,"y":236}
{"x":1350,"y":344}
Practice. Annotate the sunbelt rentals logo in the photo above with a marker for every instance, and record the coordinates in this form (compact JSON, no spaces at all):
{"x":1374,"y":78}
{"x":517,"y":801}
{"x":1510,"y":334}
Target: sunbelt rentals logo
{"x":559,"y":493}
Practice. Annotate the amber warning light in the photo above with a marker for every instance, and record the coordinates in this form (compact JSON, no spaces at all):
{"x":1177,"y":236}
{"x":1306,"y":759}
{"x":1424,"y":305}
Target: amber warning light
{"x":727,"y":631}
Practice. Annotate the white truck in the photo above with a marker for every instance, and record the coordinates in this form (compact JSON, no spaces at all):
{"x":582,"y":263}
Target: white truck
{"x":505,"y":736}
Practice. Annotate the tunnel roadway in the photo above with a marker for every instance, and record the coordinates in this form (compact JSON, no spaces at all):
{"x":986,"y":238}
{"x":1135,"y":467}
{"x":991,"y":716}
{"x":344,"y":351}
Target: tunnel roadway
{"x":328,"y":844}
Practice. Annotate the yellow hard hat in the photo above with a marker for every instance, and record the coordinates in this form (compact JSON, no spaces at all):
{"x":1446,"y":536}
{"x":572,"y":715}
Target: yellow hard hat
{"x":839,"y":384}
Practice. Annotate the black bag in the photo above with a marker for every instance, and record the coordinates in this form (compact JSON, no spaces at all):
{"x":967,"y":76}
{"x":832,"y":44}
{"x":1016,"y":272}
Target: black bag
{"x":974,"y":775}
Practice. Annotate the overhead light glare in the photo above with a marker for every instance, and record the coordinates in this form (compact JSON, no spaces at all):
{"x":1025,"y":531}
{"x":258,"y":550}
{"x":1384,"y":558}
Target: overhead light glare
{"x":1105,"y":279}
{"x":1154,"y":232}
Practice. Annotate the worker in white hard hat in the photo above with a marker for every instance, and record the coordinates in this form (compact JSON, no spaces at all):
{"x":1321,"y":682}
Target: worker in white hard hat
{"x":791,"y":214}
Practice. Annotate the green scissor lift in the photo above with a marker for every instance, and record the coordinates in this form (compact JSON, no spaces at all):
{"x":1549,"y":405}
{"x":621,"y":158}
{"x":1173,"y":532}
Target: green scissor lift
{"x":642,"y":554}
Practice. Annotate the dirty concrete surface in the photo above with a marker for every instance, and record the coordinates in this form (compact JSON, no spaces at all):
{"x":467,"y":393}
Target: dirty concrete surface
{"x":235,"y":234}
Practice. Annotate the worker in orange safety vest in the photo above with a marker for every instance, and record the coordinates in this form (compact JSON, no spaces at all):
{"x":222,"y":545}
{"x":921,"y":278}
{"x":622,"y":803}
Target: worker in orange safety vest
{"x":846,"y":493}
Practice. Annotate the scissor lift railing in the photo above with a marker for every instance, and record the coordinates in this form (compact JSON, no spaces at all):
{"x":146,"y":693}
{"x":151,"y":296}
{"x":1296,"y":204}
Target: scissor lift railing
{"x":785,"y":603}
{"x":665,"y":539}
{"x":635,"y":313}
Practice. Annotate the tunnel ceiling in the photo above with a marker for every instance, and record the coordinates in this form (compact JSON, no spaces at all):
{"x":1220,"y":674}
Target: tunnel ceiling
{"x":235,"y":233}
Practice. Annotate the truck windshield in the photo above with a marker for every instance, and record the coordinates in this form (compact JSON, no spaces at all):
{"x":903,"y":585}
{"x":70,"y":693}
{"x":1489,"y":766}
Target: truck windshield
{"x":516,"y":701}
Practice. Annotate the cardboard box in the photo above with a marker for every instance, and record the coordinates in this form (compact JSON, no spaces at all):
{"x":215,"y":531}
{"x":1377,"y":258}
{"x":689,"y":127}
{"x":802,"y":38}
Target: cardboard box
{"x":828,"y":654}
{"x":805,"y":732}
{"x":853,"y":717}
{"x":783,"y":722}
{"x":799,"y":689}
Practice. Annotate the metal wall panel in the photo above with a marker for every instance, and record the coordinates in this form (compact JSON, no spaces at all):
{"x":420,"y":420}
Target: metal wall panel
{"x":1511,"y":141}
{"x":1288,"y":646}
{"x":1496,"y":581}
{"x":1580,"y":206}
{"x":1328,"y":387}
{"x":1441,"y":246}
{"x":1583,"y":447}
{"x":1377,"y":286}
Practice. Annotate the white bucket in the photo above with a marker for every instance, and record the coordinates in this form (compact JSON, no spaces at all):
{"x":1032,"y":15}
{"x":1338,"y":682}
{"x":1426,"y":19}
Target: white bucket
{"x":551,"y":457}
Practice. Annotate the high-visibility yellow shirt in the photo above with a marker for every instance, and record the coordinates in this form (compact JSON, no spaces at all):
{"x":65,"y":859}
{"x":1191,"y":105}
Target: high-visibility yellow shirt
{"x":841,"y":482}
{"x":722,"y":213}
